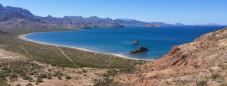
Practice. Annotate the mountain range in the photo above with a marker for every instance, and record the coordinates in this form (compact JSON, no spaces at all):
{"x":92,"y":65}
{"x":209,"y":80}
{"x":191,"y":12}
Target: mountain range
{"x":16,"y":17}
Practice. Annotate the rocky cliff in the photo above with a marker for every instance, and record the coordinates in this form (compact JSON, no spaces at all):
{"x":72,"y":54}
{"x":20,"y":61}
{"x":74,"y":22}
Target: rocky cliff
{"x":203,"y":61}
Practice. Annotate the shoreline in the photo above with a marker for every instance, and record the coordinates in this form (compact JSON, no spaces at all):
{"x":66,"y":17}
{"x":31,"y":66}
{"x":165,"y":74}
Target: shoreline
{"x":22,"y":37}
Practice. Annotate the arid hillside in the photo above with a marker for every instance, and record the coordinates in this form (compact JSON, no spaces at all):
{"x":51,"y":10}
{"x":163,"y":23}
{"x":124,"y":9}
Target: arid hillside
{"x":200,"y":62}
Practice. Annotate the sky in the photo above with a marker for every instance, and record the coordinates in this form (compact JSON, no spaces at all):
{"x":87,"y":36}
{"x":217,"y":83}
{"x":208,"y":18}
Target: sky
{"x":169,"y":11}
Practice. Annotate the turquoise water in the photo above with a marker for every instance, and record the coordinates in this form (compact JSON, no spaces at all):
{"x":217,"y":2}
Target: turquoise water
{"x":118,"y":40}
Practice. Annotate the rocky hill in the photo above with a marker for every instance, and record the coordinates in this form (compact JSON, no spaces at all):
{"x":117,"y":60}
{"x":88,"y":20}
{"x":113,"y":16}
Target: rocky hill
{"x":201,"y":62}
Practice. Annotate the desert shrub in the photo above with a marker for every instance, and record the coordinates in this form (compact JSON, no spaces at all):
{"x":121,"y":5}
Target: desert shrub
{"x":220,"y":65}
{"x":3,"y":75}
{"x":3,"y":83}
{"x":57,"y":73}
{"x":215,"y":76}
{"x":223,"y":84}
{"x":29,"y":84}
{"x":84,"y":71}
{"x":18,"y":85}
{"x":107,"y":82}
{"x":67,"y":77}
{"x":111,"y":72}
{"x":211,"y":70}
{"x":42,"y":75}
{"x":201,"y":83}
{"x":59,"y":77}
{"x":49,"y":77}
{"x":25,"y":77}
{"x":38,"y":80}
{"x":13,"y":76}
{"x":30,"y":79}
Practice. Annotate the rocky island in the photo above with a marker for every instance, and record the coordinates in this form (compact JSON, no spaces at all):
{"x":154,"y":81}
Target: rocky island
{"x":135,"y":42}
{"x":140,"y":49}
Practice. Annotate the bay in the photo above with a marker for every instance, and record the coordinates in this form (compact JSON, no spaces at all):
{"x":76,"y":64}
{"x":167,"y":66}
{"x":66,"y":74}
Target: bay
{"x":158,"y":40}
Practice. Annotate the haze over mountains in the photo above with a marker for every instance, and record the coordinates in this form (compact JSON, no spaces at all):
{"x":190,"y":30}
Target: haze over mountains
{"x":15,"y":17}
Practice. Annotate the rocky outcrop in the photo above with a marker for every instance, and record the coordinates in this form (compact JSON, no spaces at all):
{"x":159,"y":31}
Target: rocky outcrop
{"x":140,"y":49}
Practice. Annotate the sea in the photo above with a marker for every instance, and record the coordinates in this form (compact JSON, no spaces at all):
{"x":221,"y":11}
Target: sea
{"x":159,"y":40}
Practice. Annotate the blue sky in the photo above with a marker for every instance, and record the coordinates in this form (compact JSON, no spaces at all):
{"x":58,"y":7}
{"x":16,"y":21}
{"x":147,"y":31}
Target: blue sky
{"x":168,"y":11}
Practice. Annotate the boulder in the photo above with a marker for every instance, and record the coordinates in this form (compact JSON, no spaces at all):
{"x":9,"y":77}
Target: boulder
{"x":140,"y":49}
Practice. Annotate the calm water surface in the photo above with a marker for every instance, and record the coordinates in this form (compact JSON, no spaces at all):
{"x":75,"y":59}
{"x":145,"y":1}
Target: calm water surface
{"x":118,"y":40}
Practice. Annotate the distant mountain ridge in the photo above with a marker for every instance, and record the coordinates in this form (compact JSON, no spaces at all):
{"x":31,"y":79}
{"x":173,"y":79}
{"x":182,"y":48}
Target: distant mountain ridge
{"x":15,"y":17}
{"x":8,"y":10}
{"x":132,"y":22}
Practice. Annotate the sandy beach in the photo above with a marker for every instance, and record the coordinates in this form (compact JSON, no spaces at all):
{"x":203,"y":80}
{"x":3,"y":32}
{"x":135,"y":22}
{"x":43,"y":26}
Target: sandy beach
{"x":22,"y":37}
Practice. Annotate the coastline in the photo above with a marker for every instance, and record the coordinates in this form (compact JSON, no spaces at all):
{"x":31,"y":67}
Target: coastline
{"x":22,"y":37}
